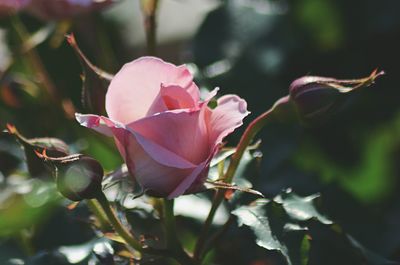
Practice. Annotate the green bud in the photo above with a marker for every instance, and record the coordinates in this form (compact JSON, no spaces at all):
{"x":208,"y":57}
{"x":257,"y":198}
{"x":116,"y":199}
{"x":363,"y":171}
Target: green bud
{"x":80,"y":179}
{"x":315,"y":97}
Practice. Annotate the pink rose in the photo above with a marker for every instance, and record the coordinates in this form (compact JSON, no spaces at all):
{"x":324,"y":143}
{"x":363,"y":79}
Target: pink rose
{"x":61,"y":9}
{"x":165,"y":133}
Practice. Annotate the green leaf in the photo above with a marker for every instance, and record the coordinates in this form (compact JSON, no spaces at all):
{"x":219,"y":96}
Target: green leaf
{"x":288,"y":223}
{"x":301,"y":208}
{"x":255,"y":217}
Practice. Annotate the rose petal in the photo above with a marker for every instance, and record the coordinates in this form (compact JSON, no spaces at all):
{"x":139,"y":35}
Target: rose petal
{"x":185,"y":184}
{"x":226,"y":117}
{"x":135,"y":87}
{"x":125,"y":135}
{"x":159,"y":179}
{"x":170,"y":98}
{"x":183,"y":133}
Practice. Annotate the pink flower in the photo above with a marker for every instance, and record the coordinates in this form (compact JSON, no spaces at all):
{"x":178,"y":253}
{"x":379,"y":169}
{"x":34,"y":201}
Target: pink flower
{"x":8,"y":7}
{"x":165,"y":133}
{"x":62,"y":9}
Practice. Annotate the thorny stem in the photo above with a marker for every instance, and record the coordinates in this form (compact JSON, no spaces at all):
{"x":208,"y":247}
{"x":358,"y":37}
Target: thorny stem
{"x":149,"y":9}
{"x":119,"y":228}
{"x":179,"y":255}
{"x":251,"y":131}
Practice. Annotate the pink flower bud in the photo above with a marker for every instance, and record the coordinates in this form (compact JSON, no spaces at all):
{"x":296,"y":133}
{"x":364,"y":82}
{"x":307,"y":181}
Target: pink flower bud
{"x":166,"y":134}
{"x":316,"y":97}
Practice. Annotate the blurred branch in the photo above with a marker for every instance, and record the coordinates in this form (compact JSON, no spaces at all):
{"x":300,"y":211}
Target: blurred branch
{"x":37,"y":66}
{"x":34,"y":59}
{"x":149,"y":10}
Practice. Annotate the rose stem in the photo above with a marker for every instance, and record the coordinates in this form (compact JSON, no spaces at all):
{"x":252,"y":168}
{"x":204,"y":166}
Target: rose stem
{"x":251,"y":131}
{"x":149,"y":9}
{"x":173,"y":243}
{"x":125,"y":233}
{"x":99,"y":213}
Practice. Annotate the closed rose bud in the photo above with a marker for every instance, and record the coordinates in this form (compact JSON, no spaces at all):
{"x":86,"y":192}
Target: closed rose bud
{"x":80,"y":179}
{"x":64,"y":9}
{"x":316,"y":97}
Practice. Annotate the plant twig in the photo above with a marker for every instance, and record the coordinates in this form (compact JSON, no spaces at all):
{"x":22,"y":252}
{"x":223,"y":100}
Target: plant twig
{"x":251,"y":131}
{"x":149,"y":9}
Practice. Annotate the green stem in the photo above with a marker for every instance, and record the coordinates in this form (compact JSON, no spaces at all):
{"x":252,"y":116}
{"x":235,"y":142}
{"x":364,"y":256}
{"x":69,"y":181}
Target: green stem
{"x":170,"y":227}
{"x":216,"y":237}
{"x":173,"y":243}
{"x":134,"y":243}
{"x":251,"y":131}
{"x":119,"y":228}
{"x":96,"y":209}
{"x":207,"y":225}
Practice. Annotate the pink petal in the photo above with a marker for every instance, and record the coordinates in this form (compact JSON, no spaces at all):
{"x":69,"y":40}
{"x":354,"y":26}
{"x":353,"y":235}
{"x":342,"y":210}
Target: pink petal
{"x":226,"y":117}
{"x":94,"y":122}
{"x":170,"y":98}
{"x":136,"y":86}
{"x":157,"y":170}
{"x":185,"y":184}
{"x":124,"y":136}
{"x":182,"y":132}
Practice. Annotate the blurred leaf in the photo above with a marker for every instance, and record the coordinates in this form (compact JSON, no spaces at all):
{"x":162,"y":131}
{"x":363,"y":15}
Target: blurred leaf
{"x":373,"y":258}
{"x":45,"y":257}
{"x":104,"y":252}
{"x":372,"y":178}
{"x":38,"y":37}
{"x":300,"y":208}
{"x":25,"y":202}
{"x":8,"y":162}
{"x":323,"y":21}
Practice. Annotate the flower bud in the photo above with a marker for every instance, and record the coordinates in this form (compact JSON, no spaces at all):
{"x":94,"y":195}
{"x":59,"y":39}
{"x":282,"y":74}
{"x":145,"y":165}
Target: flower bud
{"x":317,"y":97}
{"x":80,"y":179}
